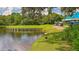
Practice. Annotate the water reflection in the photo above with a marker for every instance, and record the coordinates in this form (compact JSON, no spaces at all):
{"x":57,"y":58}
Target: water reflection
{"x":16,"y":41}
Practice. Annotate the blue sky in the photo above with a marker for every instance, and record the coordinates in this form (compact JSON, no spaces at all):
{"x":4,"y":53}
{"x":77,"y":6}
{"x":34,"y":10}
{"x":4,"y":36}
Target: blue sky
{"x":56,"y":10}
{"x":18,"y":9}
{"x":13,"y":9}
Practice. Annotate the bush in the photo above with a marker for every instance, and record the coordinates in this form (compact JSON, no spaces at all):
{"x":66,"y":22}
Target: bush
{"x":71,"y":34}
{"x":17,"y":19}
{"x":52,"y":18}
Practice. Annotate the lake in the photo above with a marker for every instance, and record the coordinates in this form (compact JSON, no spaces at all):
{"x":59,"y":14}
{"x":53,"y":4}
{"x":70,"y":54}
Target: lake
{"x":16,"y":41}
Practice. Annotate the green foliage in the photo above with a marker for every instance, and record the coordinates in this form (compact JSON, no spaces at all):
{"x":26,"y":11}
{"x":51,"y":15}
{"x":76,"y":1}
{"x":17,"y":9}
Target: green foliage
{"x":70,"y":35}
{"x":13,"y":19}
{"x":27,"y":21}
{"x":32,"y":12}
{"x":17,"y":19}
{"x":53,"y":42}
{"x":33,"y":16}
{"x":51,"y":18}
{"x":68,"y":10}
{"x":2,"y":20}
{"x":55,"y":18}
{"x":54,"y":37}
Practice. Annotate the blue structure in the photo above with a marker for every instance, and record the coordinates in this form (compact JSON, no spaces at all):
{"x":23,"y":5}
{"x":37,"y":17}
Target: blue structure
{"x":75,"y":15}
{"x":74,"y":19}
{"x":68,"y":18}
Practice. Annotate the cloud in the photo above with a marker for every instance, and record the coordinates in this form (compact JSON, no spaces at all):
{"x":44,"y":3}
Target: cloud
{"x":9,"y":10}
{"x":56,"y":10}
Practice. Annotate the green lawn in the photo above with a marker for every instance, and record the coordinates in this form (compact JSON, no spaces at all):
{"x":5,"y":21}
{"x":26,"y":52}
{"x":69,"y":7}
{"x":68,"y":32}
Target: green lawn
{"x":27,"y":26}
{"x":45,"y":28}
{"x":42,"y":45}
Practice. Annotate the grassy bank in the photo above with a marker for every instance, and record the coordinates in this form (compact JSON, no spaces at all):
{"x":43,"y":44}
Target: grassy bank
{"x":54,"y":42}
{"x":47,"y":45}
{"x":41,"y":43}
{"x":45,"y":28}
{"x":66,"y":40}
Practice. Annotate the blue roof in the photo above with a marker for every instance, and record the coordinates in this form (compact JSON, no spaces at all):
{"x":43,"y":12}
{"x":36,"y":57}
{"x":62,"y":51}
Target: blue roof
{"x":75,"y":15}
{"x":68,"y":17}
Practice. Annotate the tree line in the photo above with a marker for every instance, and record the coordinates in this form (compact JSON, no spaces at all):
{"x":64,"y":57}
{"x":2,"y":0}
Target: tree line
{"x":35,"y":16}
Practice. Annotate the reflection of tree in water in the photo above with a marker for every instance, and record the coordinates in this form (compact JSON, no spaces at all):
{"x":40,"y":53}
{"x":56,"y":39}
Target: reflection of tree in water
{"x":16,"y":34}
{"x":13,"y":41}
{"x":33,"y":33}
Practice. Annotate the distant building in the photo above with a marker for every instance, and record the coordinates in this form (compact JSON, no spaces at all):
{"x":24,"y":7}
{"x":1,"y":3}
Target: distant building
{"x":74,"y":17}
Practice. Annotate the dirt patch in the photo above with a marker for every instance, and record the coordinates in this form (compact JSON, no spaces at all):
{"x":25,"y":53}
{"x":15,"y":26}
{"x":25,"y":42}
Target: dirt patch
{"x":59,"y":27}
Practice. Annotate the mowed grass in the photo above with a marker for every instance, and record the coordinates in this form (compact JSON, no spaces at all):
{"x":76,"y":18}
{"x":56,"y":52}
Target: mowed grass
{"x":44,"y":45}
{"x":45,"y":28}
{"x":28,"y":26}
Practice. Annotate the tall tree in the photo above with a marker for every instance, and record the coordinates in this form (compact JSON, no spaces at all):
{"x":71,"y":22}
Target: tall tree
{"x":68,"y":10}
{"x":33,"y":12}
{"x":50,"y":10}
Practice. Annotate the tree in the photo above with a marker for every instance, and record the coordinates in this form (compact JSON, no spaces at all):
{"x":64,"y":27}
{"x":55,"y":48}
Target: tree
{"x":34,"y":15}
{"x":16,"y":18}
{"x":50,"y":10}
{"x":52,"y":18}
{"x":2,"y":20}
{"x":68,"y":10}
{"x":32,"y":12}
{"x":13,"y":19}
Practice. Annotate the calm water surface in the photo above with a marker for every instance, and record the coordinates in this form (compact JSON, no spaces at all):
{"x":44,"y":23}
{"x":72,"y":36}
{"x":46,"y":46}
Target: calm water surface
{"x":17,"y":41}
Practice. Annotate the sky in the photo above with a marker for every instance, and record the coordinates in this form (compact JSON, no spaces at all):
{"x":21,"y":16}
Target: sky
{"x":56,"y":10}
{"x":5,"y":10}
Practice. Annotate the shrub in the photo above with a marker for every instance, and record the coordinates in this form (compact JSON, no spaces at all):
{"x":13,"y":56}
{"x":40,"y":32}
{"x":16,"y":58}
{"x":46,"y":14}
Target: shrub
{"x":70,"y":35}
